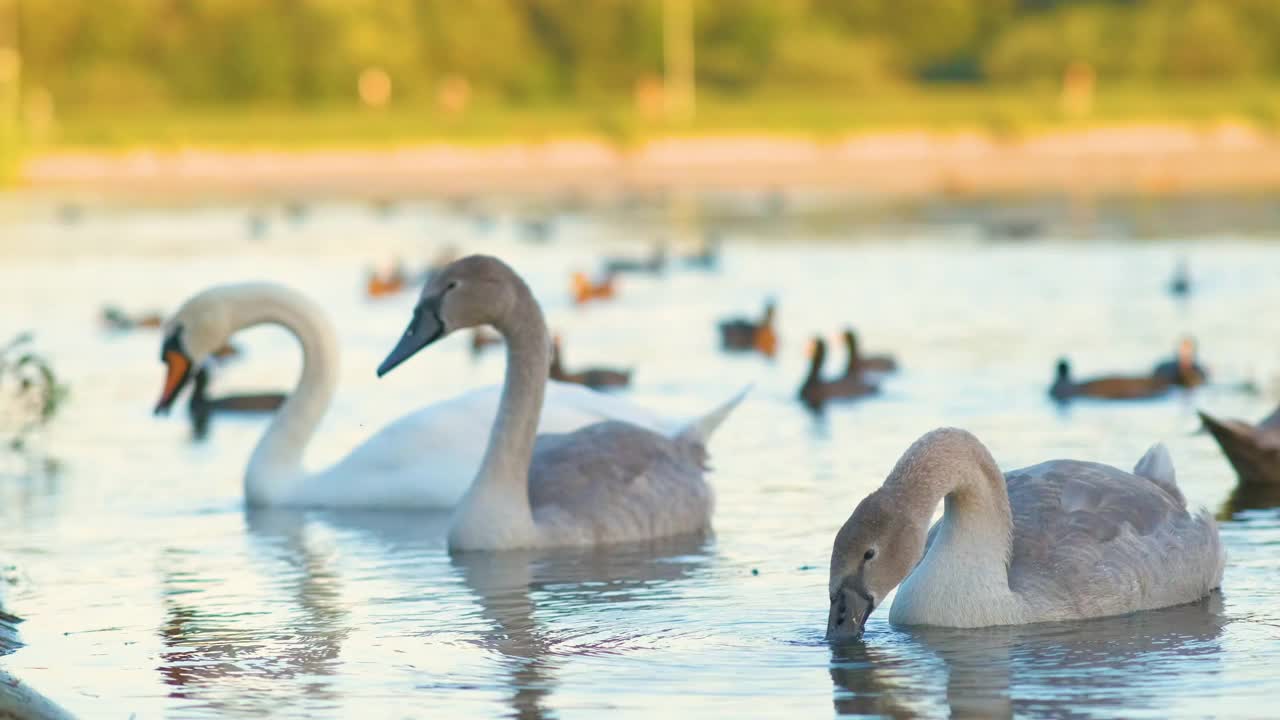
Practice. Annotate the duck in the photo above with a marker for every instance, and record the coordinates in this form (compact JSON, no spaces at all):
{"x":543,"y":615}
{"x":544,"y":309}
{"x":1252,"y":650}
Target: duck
{"x":708,"y":256}
{"x":201,"y":409}
{"x":1182,"y":369}
{"x":594,"y":378}
{"x":1252,"y":450}
{"x":859,"y":363}
{"x":610,"y":482}
{"x":115,"y":318}
{"x":584,"y":290}
{"x":816,"y":392}
{"x":741,"y":334}
{"x":380,"y":284}
{"x":482,"y":339}
{"x":424,"y":459}
{"x":653,"y":265}
{"x":1061,"y":540}
{"x":1112,"y":387}
{"x":1180,"y":284}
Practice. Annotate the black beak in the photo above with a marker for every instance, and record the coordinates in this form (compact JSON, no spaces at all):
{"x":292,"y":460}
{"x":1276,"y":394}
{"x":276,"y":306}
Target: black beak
{"x":848,"y":616}
{"x":425,"y":328}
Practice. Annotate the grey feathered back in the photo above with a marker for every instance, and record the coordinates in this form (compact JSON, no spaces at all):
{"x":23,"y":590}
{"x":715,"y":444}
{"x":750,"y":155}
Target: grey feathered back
{"x":616,"y":482}
{"x":1091,"y":540}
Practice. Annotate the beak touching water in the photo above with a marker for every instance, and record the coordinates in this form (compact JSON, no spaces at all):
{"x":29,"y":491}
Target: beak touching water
{"x":178,"y":371}
{"x":848,"y":616}
{"x":424,"y":329}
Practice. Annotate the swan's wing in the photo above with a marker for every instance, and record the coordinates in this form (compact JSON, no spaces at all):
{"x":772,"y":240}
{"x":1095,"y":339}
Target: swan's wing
{"x":1092,"y":538}
{"x":568,"y":407}
{"x":614,"y":481}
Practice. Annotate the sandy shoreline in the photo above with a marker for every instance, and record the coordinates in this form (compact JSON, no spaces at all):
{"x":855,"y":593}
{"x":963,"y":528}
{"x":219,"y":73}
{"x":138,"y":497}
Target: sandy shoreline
{"x":1132,"y":159}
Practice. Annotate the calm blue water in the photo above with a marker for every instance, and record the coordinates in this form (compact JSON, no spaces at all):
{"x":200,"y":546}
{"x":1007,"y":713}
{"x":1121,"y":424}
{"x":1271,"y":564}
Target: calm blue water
{"x":150,"y":591}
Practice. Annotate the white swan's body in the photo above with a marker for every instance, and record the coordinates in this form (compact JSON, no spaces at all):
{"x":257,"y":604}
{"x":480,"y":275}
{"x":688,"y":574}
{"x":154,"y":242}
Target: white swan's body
{"x":424,"y":459}
{"x":609,"y":482}
{"x":1062,"y":540}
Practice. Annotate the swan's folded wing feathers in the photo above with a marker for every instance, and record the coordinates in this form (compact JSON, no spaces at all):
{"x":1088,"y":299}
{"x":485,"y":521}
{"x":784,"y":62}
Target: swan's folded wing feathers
{"x":1089,"y":534}
{"x":614,"y":481}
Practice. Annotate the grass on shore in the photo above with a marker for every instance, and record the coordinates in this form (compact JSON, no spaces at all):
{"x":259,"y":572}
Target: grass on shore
{"x":999,"y":112}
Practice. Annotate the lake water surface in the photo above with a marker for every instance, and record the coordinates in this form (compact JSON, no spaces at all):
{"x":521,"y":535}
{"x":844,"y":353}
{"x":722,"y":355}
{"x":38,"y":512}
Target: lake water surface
{"x":149,"y":590}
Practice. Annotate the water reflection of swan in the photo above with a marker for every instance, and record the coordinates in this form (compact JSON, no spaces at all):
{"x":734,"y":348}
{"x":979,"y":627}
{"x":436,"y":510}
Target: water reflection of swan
{"x":215,"y":654}
{"x":1042,"y":669}
{"x":516,"y":589}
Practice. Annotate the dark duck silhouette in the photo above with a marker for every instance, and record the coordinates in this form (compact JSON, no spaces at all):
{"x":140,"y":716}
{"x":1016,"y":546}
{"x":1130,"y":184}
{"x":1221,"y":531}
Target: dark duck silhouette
{"x":859,"y":363}
{"x":741,"y":334}
{"x":653,"y":265}
{"x":815,"y":392}
{"x":1110,"y":387}
{"x":1182,"y":369}
{"x":201,"y":408}
{"x":594,"y":378}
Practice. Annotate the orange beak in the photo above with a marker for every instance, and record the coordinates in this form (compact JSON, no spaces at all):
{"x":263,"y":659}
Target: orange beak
{"x":177,"y":370}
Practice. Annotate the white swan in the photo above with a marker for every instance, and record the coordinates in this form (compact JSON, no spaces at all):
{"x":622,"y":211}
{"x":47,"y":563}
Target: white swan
{"x":606,"y":483}
{"x":426,"y":458}
{"x":1062,"y":540}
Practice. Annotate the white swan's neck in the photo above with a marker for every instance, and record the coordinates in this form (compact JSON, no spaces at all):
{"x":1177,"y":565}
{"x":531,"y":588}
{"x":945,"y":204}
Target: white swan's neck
{"x":963,"y":579}
{"x":495,"y":511}
{"x":276,"y":464}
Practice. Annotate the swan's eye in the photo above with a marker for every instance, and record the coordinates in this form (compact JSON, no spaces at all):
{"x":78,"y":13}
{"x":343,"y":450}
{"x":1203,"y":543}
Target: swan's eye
{"x":452,"y":284}
{"x":870,"y":553}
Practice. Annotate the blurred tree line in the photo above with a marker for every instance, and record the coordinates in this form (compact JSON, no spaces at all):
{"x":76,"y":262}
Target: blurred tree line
{"x":94,"y":54}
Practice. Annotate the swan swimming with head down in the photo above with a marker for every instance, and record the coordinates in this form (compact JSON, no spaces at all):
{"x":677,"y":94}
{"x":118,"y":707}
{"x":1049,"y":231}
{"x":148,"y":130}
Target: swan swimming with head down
{"x":610,"y":482}
{"x":424,"y":459}
{"x":1062,"y":540}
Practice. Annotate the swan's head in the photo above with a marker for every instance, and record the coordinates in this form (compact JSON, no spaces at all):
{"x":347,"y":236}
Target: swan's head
{"x":199,"y":328}
{"x":873,"y":552}
{"x":476,"y":290}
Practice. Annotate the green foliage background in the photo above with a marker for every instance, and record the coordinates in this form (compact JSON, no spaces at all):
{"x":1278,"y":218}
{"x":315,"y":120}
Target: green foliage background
{"x":120,"y":71}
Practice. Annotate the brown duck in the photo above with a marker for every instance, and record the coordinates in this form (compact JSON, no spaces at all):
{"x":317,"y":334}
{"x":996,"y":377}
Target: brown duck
{"x":200,"y":408}
{"x":816,"y":392}
{"x":741,"y":334}
{"x":594,"y":378}
{"x":1253,"y":450}
{"x":1112,"y":387}
{"x":859,"y":363}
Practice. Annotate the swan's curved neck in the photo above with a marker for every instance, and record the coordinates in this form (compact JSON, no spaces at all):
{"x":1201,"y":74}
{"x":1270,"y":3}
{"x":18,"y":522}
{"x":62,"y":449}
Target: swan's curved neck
{"x":963,"y":578}
{"x":851,"y":367}
{"x":500,"y":493}
{"x":276,"y":463}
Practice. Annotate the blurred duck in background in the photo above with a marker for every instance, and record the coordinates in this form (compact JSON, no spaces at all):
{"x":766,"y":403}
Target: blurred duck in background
{"x":387,"y":281}
{"x":596,"y":378}
{"x":482,"y":339}
{"x":708,"y":256}
{"x":815,"y":392}
{"x":743,"y":335}
{"x":584,"y":290}
{"x":115,"y":318}
{"x":1253,"y":450}
{"x":1183,"y":368}
{"x":1111,"y":387}
{"x":201,"y":408}
{"x":859,"y":363}
{"x":1180,"y":284}
{"x":653,"y":265}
